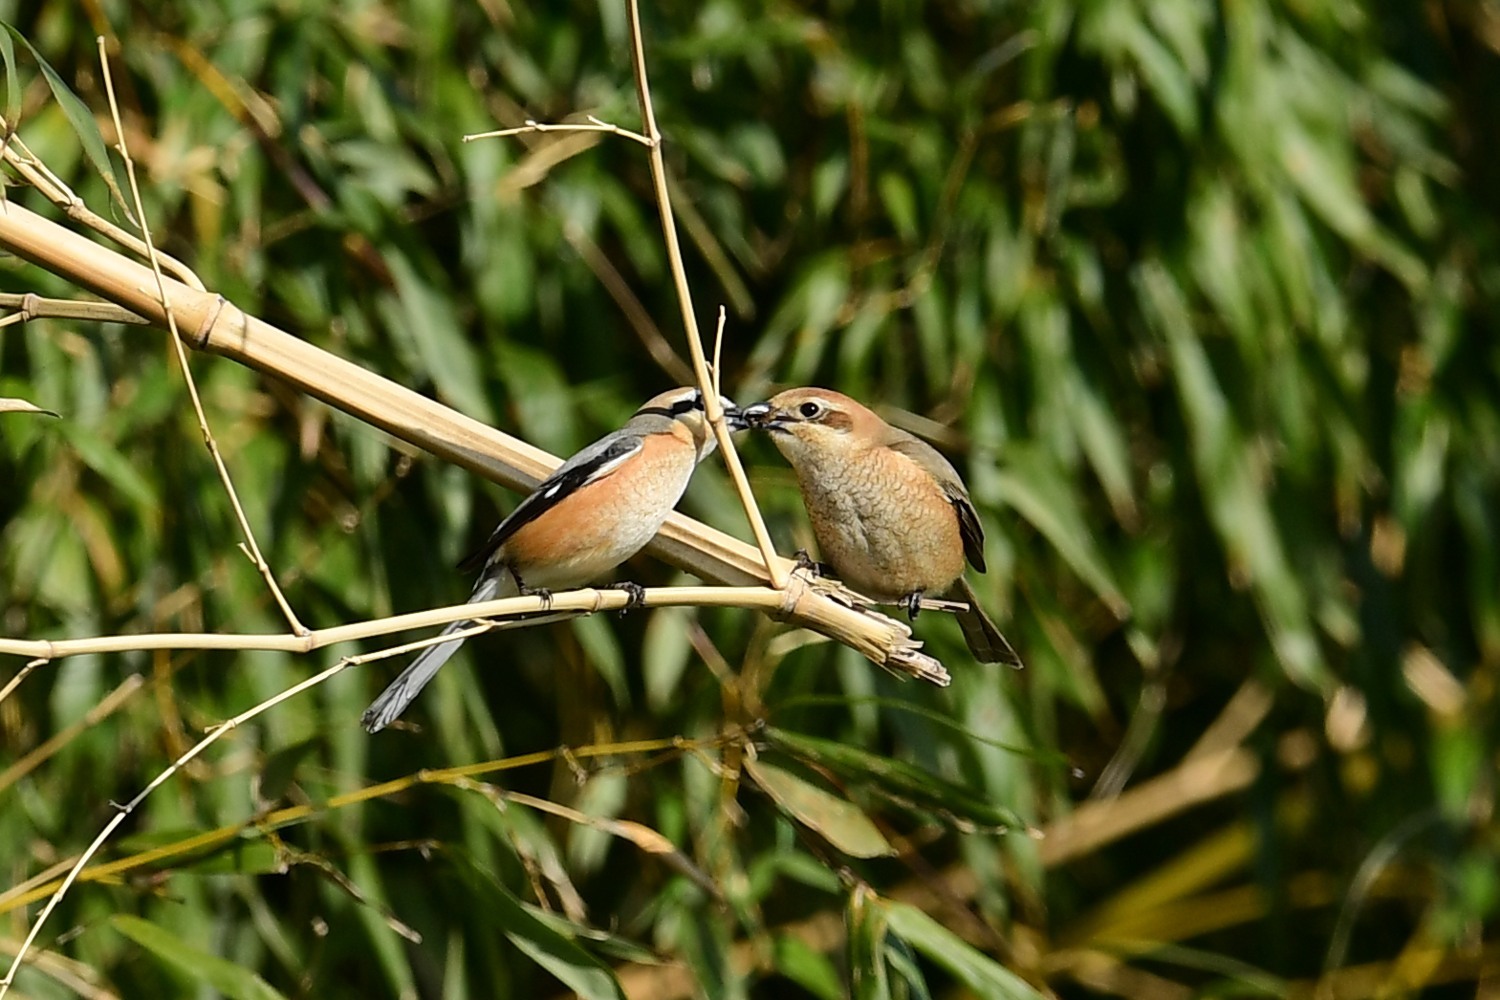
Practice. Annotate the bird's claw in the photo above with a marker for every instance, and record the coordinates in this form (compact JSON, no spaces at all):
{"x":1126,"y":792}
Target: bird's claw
{"x":808,"y":565}
{"x":542,"y":593}
{"x":912,"y":603}
{"x":634,"y":591}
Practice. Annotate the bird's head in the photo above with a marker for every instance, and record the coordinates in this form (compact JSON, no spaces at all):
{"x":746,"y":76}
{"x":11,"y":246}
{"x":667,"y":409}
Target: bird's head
{"x":808,"y":422}
{"x":680,"y":411}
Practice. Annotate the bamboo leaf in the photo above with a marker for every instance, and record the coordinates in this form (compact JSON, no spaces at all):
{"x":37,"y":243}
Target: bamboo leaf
{"x":1237,"y":500}
{"x":79,"y":117}
{"x":897,"y":778}
{"x":1031,"y":483}
{"x":20,"y":405}
{"x":223,"y":976}
{"x":806,"y":966}
{"x":113,"y":465}
{"x":987,"y":978}
{"x":424,"y":317}
{"x":12,"y":89}
{"x":842,"y":823}
{"x":665,"y":654}
{"x":543,"y":942}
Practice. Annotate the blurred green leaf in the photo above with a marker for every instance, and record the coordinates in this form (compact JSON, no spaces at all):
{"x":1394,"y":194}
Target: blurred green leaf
{"x":112,"y":465}
{"x":864,"y":919}
{"x":1105,"y":445}
{"x":902,"y":962}
{"x":12,"y":90}
{"x":1031,"y":483}
{"x":280,"y":769}
{"x":554,"y":950}
{"x":896,"y":778}
{"x":843,"y":824}
{"x":900,"y":204}
{"x":244,"y":854}
{"x":760,"y":151}
{"x":194,"y":964}
{"x":602,"y":649}
{"x":391,"y":178}
{"x":807,"y":967}
{"x":665,"y":652}
{"x":982,"y":974}
{"x":424,"y":317}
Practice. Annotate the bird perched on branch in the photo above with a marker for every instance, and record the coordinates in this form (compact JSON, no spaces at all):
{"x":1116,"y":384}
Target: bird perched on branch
{"x":890,"y":514}
{"x":598,"y":509}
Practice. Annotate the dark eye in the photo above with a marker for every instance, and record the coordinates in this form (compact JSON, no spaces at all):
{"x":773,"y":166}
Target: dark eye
{"x":809,"y":410}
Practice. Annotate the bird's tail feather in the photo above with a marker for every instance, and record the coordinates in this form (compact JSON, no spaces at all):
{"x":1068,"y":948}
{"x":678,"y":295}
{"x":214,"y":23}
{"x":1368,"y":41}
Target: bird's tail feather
{"x":985,"y":640}
{"x":393,"y":700}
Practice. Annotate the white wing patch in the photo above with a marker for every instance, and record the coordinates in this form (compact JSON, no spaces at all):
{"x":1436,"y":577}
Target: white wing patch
{"x":605,"y":468}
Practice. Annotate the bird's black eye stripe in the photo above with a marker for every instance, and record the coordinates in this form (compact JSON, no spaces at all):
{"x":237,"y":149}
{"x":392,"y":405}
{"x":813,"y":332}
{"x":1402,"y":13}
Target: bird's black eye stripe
{"x":677,"y":409}
{"x":693,"y":402}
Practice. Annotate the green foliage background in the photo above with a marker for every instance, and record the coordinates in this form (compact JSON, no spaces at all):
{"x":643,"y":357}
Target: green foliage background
{"x":1202,"y":297}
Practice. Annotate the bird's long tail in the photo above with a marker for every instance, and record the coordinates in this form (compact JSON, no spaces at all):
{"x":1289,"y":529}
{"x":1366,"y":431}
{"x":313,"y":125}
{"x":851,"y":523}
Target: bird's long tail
{"x":394,"y":699}
{"x":983,"y":636}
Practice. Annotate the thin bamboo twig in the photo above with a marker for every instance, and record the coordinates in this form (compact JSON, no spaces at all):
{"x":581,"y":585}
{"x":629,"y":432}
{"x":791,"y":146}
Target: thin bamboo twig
{"x":69,"y":973}
{"x":249,"y":546}
{"x":21,"y":675}
{"x":716,"y":368}
{"x":777,"y":569}
{"x":35,"y":173}
{"x":808,"y":601}
{"x":29,"y":306}
{"x":642,"y":836}
{"x":774,"y":563}
{"x":595,"y":125}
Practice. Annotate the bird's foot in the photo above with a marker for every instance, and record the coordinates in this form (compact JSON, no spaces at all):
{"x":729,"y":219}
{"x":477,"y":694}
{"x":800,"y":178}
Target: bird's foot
{"x":542,"y":593}
{"x":807,"y":564}
{"x":635,"y":592}
{"x":912,"y":603}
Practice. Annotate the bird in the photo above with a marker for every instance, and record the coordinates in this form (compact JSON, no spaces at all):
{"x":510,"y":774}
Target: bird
{"x":891,"y":515}
{"x":597,"y":510}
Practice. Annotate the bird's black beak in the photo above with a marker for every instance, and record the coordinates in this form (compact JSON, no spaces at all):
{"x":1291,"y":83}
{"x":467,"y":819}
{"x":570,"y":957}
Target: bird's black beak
{"x":734,"y":417}
{"x":758,"y":416}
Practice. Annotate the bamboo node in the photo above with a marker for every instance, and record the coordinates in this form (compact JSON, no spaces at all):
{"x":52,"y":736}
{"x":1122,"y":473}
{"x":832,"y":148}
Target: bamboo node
{"x":204,"y":333}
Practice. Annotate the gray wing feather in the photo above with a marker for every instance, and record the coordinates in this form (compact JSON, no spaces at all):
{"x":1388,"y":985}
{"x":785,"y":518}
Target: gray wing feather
{"x":591,"y":464}
{"x":925,"y":455}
